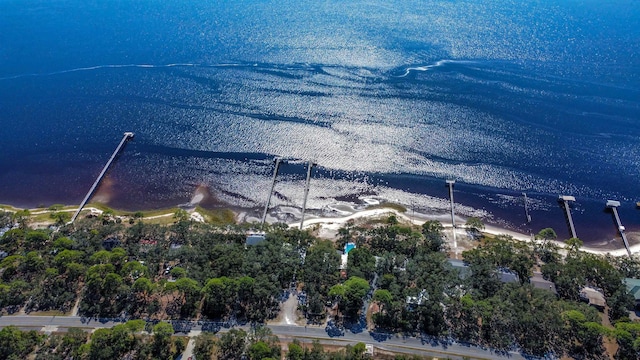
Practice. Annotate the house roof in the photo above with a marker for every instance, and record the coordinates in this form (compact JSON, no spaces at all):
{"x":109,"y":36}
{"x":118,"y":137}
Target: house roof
{"x":254,"y":239}
{"x":633,"y":285}
{"x":595,"y":297}
{"x":465,"y":271}
{"x":541,"y":283}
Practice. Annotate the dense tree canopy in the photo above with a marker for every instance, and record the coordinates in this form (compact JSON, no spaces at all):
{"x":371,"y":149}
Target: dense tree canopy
{"x":189,"y":270}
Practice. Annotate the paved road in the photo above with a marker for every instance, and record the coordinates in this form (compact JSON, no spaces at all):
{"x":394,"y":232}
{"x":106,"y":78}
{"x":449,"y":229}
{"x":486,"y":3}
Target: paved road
{"x":392,"y":343}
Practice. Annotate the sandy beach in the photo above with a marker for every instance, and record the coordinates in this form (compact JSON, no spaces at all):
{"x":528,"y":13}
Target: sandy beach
{"x":327,"y":227}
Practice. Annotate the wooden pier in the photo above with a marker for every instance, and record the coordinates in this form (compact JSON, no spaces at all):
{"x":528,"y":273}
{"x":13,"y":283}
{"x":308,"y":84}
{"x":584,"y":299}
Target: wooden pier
{"x":453,"y":216}
{"x":526,"y":208}
{"x":565,"y":200}
{"x":613,"y":205}
{"x":273,"y":184}
{"x":306,"y":192}
{"x":125,"y":138}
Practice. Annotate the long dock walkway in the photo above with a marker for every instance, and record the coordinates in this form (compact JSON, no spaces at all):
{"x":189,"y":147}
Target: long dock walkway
{"x":306,"y":191}
{"x":277,"y":160}
{"x":613,"y":205}
{"x":125,"y":138}
{"x":565,"y":200}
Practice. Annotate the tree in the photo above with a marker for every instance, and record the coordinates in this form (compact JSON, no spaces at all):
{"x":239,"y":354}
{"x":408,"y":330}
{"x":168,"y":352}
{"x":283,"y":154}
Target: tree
{"x":356,"y":352}
{"x":474,"y":226}
{"x":15,"y":344}
{"x":548,"y":252}
{"x":35,"y":239}
{"x":361,"y":263}
{"x":264,"y":343}
{"x":295,"y":351}
{"x":143,"y":286}
{"x":232,"y":344}
{"x":181,"y":344}
{"x":65,"y":257}
{"x":547,"y":234}
{"x":384,"y":297}
{"x":574,"y":244}
{"x":162,"y":333}
{"x":181,"y":215}
{"x":178,"y":272}
{"x":506,"y":253}
{"x":433,"y":237}
{"x":111,"y":343}
{"x":219,"y":293}
{"x":190,"y":291}
{"x":627,"y":335}
{"x":355,"y":289}
{"x":205,"y":346}
{"x":320,"y":270}
{"x":22,"y":218}
{"x":72,"y":342}
{"x":133,"y":270}
{"x":60,"y":217}
{"x":259,"y":350}
{"x":317,"y":351}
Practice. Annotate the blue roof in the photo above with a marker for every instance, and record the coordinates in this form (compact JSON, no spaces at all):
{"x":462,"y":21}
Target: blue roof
{"x":348,"y":247}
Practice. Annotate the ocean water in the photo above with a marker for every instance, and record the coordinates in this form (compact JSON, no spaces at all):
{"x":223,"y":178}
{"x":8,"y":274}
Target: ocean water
{"x":389,"y":98}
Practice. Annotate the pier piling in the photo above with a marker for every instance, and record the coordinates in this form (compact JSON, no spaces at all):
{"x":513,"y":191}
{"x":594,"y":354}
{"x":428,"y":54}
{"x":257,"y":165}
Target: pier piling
{"x":125,"y":138}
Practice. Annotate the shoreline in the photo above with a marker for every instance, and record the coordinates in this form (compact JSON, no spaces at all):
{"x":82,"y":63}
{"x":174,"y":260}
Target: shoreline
{"x":329,"y":225}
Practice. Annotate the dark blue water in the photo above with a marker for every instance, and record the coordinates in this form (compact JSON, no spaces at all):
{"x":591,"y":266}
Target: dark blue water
{"x":389,"y":97}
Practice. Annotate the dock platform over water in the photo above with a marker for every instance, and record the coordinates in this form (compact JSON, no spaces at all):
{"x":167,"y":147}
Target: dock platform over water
{"x":125,"y":138}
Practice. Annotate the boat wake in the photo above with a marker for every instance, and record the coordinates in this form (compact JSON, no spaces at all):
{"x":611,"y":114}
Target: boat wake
{"x":125,"y":66}
{"x":437,"y":64}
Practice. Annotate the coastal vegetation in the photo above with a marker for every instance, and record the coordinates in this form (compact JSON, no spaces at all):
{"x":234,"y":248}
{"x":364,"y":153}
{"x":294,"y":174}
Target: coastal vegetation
{"x":397,"y":279}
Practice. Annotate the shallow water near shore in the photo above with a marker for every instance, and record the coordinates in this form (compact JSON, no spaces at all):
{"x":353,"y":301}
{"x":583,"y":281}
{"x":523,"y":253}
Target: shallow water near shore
{"x":389,"y":98}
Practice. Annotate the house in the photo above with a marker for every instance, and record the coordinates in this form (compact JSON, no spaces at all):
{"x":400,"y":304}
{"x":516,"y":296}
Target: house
{"x":368,"y":350}
{"x":110,"y":243}
{"x":506,"y":276}
{"x":593,"y":297}
{"x":4,"y":230}
{"x":344,"y":255}
{"x":465,"y":271}
{"x":541,"y":283}
{"x":419,"y":300}
{"x":254,"y":239}
{"x":146,"y":244}
{"x":633,"y":285}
